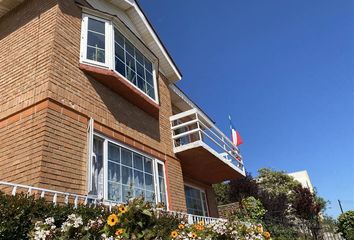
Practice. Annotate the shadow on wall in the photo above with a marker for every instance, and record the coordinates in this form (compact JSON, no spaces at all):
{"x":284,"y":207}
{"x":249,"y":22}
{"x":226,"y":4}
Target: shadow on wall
{"x":23,"y":14}
{"x":127,"y":113}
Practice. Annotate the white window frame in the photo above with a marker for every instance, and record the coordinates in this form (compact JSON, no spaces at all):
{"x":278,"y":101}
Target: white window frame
{"x":156,"y":161}
{"x":205,"y":211}
{"x":110,"y":24}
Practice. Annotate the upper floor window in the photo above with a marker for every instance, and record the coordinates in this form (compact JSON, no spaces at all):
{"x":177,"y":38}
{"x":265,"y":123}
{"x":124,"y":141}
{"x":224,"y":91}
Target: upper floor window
{"x":104,"y":44}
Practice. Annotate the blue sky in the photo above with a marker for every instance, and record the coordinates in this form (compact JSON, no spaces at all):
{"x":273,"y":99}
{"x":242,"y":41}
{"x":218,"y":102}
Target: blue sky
{"x":282,"y":69}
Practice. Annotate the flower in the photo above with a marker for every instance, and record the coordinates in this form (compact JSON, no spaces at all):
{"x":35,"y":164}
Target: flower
{"x":193,"y":235}
{"x":112,"y":220}
{"x":266,"y":235}
{"x":119,"y":231}
{"x":174,"y":234}
{"x":201,"y":223}
{"x":199,"y":227}
{"x":181,"y":226}
{"x":122,"y":209}
{"x":260,"y":229}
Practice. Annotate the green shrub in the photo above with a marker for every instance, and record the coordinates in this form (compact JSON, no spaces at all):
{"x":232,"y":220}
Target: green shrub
{"x":346,"y":225}
{"x":19,"y":213}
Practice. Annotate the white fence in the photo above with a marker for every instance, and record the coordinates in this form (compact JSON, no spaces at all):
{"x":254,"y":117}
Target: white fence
{"x":76,"y":199}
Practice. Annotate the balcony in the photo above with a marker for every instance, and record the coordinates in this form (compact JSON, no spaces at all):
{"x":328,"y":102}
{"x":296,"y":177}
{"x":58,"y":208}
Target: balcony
{"x":206,"y":154}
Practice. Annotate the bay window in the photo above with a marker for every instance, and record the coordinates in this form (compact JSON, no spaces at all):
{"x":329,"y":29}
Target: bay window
{"x":119,"y":173}
{"x":196,"y":201}
{"x":104,"y":44}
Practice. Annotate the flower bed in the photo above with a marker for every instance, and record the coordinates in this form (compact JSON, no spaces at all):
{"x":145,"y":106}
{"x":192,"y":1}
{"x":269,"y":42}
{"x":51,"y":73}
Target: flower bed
{"x":139,"y":220}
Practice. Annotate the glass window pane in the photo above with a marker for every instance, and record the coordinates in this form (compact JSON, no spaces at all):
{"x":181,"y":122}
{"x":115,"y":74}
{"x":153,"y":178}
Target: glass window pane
{"x":140,"y":70}
{"x":95,"y":40}
{"x":114,"y":191}
{"x":95,"y":25}
{"x":131,"y":76}
{"x":148,"y":65}
{"x":150,"y":91}
{"x":127,"y":192}
{"x":141,"y":84}
{"x":118,"y":38}
{"x":130,"y":62}
{"x":138,"y":179}
{"x":150,"y":196}
{"x":120,"y":67}
{"x":119,"y":52}
{"x":149,"y":78}
{"x":113,"y":152}
{"x":196,"y":201}
{"x":148,"y":165}
{"x":138,"y":162}
{"x":139,"y":193}
{"x":129,"y":48}
{"x":139,"y":57}
{"x":126,"y":157}
{"x":95,"y":54}
{"x":149,"y":182}
{"x":113,"y":171}
{"x":127,"y":176}
{"x":162,"y":185}
{"x":160,"y":170}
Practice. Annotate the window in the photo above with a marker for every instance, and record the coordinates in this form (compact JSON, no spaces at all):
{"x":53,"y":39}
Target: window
{"x":127,"y":173}
{"x":103,"y":44}
{"x":196,"y":201}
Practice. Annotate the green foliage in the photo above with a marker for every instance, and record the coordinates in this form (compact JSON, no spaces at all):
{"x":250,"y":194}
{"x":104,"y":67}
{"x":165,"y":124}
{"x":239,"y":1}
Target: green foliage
{"x":306,"y":205}
{"x":346,"y":225}
{"x":222,"y":193}
{"x":281,"y":232}
{"x":276,"y":182}
{"x":18,"y":214}
{"x":251,"y":209}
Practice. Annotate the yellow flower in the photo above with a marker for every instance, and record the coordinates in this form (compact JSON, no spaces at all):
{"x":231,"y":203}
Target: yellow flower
{"x":181,"y":226}
{"x":201,"y":223}
{"x":112,"y":220}
{"x":194,"y":235}
{"x":119,"y":231}
{"x":260,"y":229}
{"x":174,"y":234}
{"x":199,"y":227}
{"x":266,"y":235}
{"x":122,"y":209}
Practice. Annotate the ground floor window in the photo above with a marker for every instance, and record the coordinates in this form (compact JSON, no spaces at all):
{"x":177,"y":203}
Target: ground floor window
{"x":118,"y":173}
{"x":196,"y":201}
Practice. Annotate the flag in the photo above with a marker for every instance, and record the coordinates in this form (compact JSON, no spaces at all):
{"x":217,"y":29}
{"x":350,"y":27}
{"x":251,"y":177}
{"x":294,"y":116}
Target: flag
{"x":235,"y":135}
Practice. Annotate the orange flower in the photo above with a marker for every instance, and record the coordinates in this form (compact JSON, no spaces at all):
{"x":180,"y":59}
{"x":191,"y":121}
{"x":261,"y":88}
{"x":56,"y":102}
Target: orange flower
{"x":194,"y":235}
{"x":112,"y":220}
{"x":122,"y":209}
{"x":119,"y":231}
{"x":174,"y":234}
{"x":199,"y":227}
{"x":201,"y":223}
{"x":181,"y":226}
{"x":266,"y":235}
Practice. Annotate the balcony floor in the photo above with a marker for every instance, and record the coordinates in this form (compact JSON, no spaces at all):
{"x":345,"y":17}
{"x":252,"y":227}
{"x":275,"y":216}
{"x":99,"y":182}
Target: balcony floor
{"x":201,"y":162}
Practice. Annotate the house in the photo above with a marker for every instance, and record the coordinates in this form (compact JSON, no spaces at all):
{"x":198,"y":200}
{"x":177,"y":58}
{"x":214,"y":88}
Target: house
{"x":89,"y":106}
{"x":303,"y":178}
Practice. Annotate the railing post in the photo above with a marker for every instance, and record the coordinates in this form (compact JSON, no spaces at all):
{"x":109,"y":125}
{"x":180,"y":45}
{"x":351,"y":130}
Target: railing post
{"x":42,"y":194}
{"x":14,"y":191}
{"x":198,"y":125}
{"x":76,"y":201}
{"x":55,"y":198}
{"x":66,"y":200}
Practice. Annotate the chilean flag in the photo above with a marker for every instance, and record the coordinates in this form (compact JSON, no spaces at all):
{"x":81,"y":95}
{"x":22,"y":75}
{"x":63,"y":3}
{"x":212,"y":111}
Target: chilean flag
{"x":236,"y":137}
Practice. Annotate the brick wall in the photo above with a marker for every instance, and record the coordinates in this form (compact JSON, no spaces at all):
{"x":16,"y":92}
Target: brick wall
{"x":21,"y":143}
{"x":26,"y":37}
{"x":44,"y":66}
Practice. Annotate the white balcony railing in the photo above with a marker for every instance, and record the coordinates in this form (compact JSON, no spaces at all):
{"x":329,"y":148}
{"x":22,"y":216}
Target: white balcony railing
{"x":76,"y":199}
{"x":192,"y":127}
